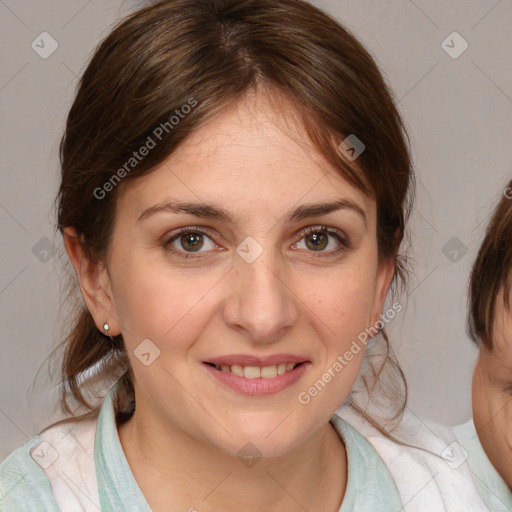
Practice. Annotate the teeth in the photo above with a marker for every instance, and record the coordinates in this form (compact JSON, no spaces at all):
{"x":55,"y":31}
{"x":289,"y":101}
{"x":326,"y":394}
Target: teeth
{"x":237,"y":370}
{"x":256,"y":372}
{"x":269,"y":372}
{"x":252,"y":372}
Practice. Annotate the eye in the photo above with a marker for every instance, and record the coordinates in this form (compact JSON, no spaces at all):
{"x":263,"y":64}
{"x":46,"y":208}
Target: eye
{"x":189,"y":240}
{"x":317,"y":239}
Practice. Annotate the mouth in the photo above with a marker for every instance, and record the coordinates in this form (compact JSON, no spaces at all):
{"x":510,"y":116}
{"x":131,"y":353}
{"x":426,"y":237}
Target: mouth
{"x":256,"y":372}
{"x":257,"y":376}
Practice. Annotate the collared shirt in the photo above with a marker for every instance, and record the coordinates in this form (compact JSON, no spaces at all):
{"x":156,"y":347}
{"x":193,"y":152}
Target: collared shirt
{"x":25,"y":485}
{"x":490,"y":485}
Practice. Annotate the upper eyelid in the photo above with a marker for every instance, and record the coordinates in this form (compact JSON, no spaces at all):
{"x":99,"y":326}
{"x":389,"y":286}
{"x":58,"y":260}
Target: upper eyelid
{"x":304,"y":231}
{"x":331,"y":231}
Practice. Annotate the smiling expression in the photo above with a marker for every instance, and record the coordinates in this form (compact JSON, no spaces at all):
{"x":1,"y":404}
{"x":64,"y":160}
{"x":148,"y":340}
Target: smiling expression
{"x":251,"y":264}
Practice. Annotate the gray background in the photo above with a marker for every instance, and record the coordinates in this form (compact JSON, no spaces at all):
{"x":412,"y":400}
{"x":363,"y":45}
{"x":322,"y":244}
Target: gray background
{"x":458,"y":115}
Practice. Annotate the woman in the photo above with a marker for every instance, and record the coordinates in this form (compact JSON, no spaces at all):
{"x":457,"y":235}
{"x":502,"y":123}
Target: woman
{"x":486,"y":436}
{"x":235,"y":187}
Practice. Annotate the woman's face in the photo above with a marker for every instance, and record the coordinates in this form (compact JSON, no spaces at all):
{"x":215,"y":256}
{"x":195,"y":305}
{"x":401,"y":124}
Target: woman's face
{"x":249,"y":292}
{"x":492,"y":394}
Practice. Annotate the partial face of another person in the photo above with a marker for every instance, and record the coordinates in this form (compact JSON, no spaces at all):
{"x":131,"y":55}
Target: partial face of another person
{"x":228,"y":304}
{"x":492,"y":394}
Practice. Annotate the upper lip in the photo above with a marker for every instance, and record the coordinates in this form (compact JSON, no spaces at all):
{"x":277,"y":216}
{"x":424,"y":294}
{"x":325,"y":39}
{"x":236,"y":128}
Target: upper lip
{"x":247,"y":360}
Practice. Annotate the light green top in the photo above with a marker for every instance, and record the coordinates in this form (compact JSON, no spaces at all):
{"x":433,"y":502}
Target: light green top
{"x":24,"y":486}
{"x":488,"y":482}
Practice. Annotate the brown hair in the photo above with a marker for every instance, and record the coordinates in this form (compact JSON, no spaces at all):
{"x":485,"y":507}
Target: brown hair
{"x":213,"y":52}
{"x":490,"y":272}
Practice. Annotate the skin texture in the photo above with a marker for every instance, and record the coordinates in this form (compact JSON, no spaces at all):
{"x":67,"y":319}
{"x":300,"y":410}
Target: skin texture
{"x":492,"y":394}
{"x":183,"y":439}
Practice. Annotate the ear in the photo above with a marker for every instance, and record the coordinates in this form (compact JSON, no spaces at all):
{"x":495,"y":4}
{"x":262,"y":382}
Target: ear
{"x":385,"y":273}
{"x":94,"y":284}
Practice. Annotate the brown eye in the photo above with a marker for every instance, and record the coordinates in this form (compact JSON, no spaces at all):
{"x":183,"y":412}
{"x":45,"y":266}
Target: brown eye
{"x":192,"y":241}
{"x":317,"y":239}
{"x":188,"y":241}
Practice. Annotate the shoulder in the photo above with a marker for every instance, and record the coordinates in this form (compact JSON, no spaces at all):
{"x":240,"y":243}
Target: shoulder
{"x":491,"y":486}
{"x":428,"y":465}
{"x":23,"y":483}
{"x":43,"y":472}
{"x":370,"y":485}
{"x":465,"y":432}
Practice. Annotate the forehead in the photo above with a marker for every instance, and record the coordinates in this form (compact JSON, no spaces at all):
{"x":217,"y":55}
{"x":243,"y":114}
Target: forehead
{"x":247,"y":152}
{"x":251,"y":132}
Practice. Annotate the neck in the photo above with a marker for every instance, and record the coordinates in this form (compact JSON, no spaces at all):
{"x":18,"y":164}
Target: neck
{"x":170,"y":466}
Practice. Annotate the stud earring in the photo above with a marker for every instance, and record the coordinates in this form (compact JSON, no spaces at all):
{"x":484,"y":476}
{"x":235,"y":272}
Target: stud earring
{"x":106,"y":328}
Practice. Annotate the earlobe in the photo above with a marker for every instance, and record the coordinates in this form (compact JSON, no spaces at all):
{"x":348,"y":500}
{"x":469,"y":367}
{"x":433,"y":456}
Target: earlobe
{"x":94,"y":283}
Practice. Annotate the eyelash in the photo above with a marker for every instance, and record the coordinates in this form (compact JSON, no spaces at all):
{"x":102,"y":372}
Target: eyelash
{"x":308,"y":231}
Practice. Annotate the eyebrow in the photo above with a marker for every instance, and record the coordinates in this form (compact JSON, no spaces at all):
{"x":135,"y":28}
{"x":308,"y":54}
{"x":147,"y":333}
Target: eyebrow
{"x":212,"y":211}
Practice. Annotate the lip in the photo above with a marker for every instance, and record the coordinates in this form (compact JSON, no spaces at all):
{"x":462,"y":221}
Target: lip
{"x":248,"y":360}
{"x":260,"y":386}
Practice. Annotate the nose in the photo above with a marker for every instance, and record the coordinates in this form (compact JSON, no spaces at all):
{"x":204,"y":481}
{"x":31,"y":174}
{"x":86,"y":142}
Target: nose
{"x":261,"y":303}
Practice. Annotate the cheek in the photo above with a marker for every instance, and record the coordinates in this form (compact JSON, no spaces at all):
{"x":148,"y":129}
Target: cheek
{"x":342,"y":302}
{"x":172,"y":306}
{"x":158,"y":304}
{"x":492,"y":415}
{"x":497,"y":439}
{"x":480,"y":403}
{"x":503,"y":418}
{"x":339,"y":312}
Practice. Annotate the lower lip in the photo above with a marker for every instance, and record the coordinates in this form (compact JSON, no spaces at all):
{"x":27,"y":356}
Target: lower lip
{"x":260,"y":386}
